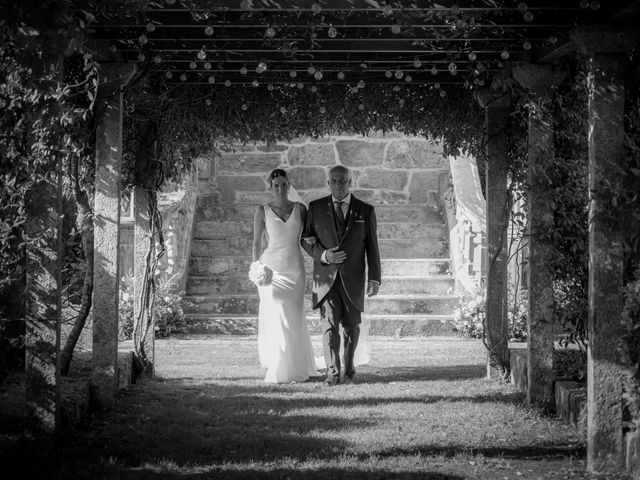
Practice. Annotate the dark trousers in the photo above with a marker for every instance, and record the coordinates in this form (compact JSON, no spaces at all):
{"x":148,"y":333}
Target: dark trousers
{"x":335,"y":310}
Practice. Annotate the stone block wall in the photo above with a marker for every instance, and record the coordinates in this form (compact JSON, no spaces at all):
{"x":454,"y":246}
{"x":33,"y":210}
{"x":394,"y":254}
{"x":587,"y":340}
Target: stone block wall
{"x":386,"y":169}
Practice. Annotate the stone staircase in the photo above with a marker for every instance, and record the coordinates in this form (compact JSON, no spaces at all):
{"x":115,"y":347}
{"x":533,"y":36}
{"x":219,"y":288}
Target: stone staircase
{"x":416,"y":296}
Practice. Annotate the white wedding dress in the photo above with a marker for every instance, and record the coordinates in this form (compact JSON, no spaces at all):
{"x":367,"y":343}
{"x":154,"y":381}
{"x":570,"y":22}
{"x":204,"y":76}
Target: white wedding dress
{"x":284,"y":343}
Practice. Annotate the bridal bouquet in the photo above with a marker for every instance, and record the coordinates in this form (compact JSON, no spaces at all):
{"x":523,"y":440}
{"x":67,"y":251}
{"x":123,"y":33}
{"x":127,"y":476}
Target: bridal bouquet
{"x":260,"y":274}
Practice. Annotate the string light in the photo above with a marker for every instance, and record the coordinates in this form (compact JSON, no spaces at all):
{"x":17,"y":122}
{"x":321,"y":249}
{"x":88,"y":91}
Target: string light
{"x":472,"y":56}
{"x":243,"y":70}
{"x":157,"y":59}
{"x":387,"y":10}
{"x":523,"y":7}
{"x":207,"y":102}
{"x":396,"y":88}
{"x":311,"y":70}
{"x":169,"y":75}
{"x":340,"y":75}
{"x":245,"y":5}
{"x":270,"y":32}
{"x":183,"y":78}
{"x":443,"y":93}
{"x":361,"y":106}
{"x":401,"y":102}
{"x":322,"y":110}
{"x":293,"y":74}
{"x":244,"y":106}
{"x":360,"y":84}
{"x":332,"y":32}
{"x":314,"y":89}
{"x":300,"y":85}
{"x":595,"y":5}
{"x":388,"y":74}
{"x":270,"y":87}
{"x":417,"y":63}
{"x":261,"y":67}
{"x":193,"y":65}
{"x":202,"y":55}
{"x":142,"y":39}
{"x":150,"y":27}
{"x":453,"y":67}
{"x":316,"y":8}
{"x":408,"y":79}
{"x":317,"y":75}
{"x":227,"y":83}
{"x":434,"y":70}
{"x":211,"y":79}
{"x":207,"y":65}
{"x":283,"y":110}
{"x":208,"y":30}
{"x":113,"y":48}
{"x":255,"y":83}
{"x":526,"y":45}
{"x":504,"y":55}
{"x":399,"y":74}
{"x":455,"y":9}
{"x":395,"y":29}
{"x":142,"y":57}
{"x":528,"y":16}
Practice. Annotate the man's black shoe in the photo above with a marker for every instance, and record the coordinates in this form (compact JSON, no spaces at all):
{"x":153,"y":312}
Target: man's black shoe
{"x":350,"y":377}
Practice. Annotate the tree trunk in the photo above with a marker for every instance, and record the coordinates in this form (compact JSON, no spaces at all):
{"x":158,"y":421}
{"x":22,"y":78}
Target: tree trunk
{"x":84,"y":223}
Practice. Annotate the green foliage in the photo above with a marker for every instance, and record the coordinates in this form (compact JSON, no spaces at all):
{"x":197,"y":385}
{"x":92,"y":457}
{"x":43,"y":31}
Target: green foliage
{"x":168,"y":308}
{"x":470,"y":314}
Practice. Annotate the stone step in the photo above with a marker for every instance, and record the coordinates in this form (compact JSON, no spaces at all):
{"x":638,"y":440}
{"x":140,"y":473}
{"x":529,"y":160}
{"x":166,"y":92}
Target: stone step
{"x":391,"y":285}
{"x":242,"y":304}
{"x":210,"y":230}
{"x":239,"y":265}
{"x":212,"y":210}
{"x":396,"y":248}
{"x":382,"y":325}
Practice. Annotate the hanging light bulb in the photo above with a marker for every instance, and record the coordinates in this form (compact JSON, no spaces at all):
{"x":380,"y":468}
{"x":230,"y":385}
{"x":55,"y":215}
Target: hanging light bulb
{"x":436,"y":85}
{"x":293,"y":74}
{"x":595,"y":5}
{"x":208,"y":30}
{"x":283,"y":110}
{"x":243,"y":70}
{"x":361,"y":106}
{"x":528,"y":16}
{"x":207,"y":102}
{"x":183,"y":78}
{"x":455,"y":9}
{"x":553,"y":40}
{"x":472,"y":56}
{"x":169,"y":75}
{"x":408,"y":79}
{"x":354,"y":89}
{"x":142,"y":39}
{"x":157,"y":59}
{"x":261,"y":67}
{"x":202,"y":55}
{"x":314,"y":89}
{"x":443,"y":93}
{"x":584,"y":3}
{"x":311,"y":70}
{"x":387,"y":10}
{"x":399,"y":74}
{"x":417,"y":63}
{"x":113,"y":48}
{"x":340,"y":75}
{"x":193,"y":65}
{"x":227,"y":83}
{"x":211,"y":79}
{"x":270,"y":87}
{"x":245,"y":4}
{"x":360,"y":84}
{"x":523,"y":7}
{"x":396,"y":88}
{"x":453,"y":67}
{"x":401,"y":102}
{"x":332,"y":32}
{"x":270,"y":32}
{"x":300,"y":85}
{"x":244,"y":106}
{"x":150,"y":27}
{"x":504,"y":55}
{"x":526,"y":45}
{"x":255,"y":83}
{"x":316,"y":8}
{"x":388,"y":74}
{"x":322,"y":110}
{"x":395,"y":28}
{"x":141,"y":57}
{"x":434,"y":70}
{"x":317,"y":75}
{"x":207,"y":65}
{"x":481,"y":82}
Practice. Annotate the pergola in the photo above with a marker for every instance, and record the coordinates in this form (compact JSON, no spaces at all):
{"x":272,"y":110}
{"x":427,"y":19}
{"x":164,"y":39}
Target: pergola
{"x":259,"y":45}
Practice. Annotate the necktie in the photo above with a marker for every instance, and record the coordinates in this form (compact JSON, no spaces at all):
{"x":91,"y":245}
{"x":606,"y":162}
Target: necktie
{"x":340,"y":216}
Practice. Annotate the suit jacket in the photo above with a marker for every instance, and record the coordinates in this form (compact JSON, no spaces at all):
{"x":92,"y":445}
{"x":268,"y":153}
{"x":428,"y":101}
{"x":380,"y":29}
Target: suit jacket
{"x":359,"y":241}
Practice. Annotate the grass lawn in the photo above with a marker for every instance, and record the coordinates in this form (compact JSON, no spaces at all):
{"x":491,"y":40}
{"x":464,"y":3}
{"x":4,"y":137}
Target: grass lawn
{"x":421,"y":409}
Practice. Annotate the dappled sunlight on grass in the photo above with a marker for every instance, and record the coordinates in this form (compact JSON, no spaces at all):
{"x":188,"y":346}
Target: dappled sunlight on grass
{"x":420,"y":409}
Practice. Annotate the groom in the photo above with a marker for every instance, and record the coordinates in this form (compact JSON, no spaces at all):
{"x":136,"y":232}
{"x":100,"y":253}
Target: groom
{"x":346,"y":232}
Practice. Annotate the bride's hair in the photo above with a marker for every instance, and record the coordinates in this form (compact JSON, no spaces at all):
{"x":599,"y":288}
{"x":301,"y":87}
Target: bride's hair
{"x":278,"y":172}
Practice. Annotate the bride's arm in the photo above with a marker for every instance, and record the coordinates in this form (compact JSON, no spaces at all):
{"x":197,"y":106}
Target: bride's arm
{"x":258,"y":232}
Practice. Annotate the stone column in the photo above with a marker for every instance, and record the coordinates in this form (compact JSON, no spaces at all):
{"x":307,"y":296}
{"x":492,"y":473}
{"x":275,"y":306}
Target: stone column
{"x":539,"y":79}
{"x":43,"y":203}
{"x":606,"y":47}
{"x":106,"y":231}
{"x":142,"y":244}
{"x":497,"y":110}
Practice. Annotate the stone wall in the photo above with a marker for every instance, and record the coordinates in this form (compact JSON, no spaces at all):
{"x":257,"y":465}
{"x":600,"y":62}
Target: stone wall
{"x":386,"y":169}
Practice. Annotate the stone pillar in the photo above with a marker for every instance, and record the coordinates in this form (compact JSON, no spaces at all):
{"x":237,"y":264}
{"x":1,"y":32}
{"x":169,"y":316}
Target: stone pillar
{"x":539,"y":79}
{"x":497,"y":110}
{"x":142,"y":244}
{"x":43,"y":203}
{"x":606,"y":47}
{"x":106,"y":232}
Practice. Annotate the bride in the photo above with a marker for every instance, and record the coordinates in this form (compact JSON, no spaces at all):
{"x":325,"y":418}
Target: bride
{"x":284,"y":343}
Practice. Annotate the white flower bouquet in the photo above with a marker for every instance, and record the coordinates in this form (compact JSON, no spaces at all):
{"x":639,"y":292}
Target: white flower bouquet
{"x":260,"y":274}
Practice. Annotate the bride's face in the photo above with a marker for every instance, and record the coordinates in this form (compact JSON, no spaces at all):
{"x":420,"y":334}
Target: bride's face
{"x":280,"y":187}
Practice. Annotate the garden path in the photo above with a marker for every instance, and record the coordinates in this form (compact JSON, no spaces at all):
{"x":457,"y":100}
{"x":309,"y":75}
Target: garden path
{"x":421,"y":409}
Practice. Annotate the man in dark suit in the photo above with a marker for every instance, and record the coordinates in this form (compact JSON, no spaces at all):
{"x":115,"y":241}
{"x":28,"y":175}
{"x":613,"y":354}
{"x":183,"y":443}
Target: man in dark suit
{"x":345,"y":230}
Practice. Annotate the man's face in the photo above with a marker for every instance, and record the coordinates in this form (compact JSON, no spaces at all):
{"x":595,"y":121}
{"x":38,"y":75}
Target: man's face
{"x":339,"y":184}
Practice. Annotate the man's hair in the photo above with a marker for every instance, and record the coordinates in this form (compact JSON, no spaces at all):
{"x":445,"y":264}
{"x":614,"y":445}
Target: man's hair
{"x":340,"y":169}
{"x":278,"y":172}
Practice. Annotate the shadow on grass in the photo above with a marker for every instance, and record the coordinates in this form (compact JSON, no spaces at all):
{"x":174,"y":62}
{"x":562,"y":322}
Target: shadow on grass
{"x":429,"y":373}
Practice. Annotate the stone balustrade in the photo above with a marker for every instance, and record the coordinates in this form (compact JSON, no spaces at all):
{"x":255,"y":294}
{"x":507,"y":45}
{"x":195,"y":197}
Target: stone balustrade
{"x":465,"y":212}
